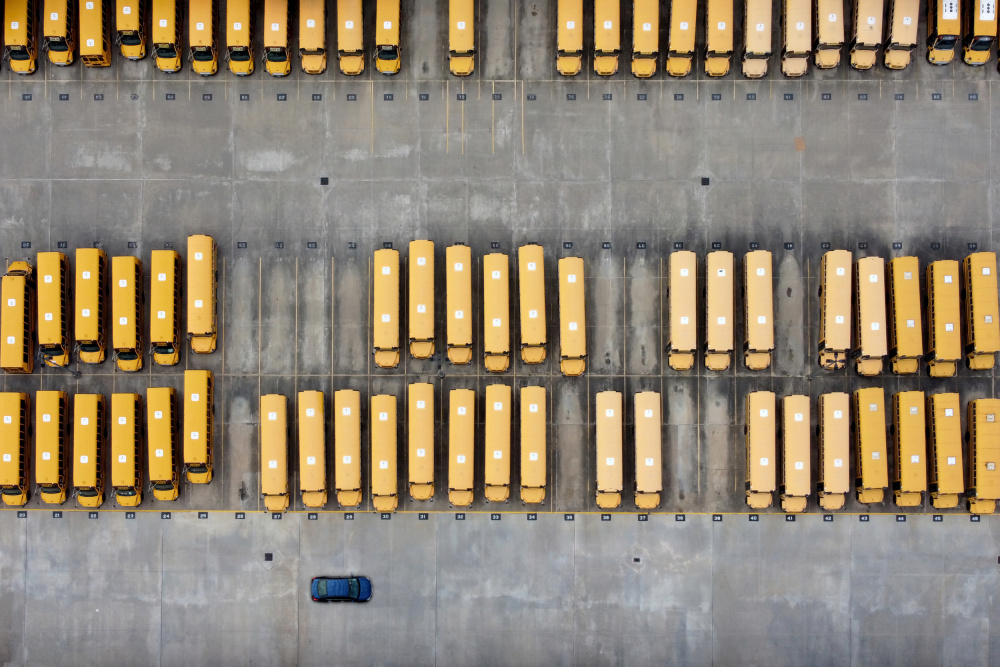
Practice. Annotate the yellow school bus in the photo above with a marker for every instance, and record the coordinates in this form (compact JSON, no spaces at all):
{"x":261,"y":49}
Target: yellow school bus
{"x":718,"y":37}
{"x":421,"y":295}
{"x":59,"y":31}
{"x":461,"y":446}
{"x":420,"y":440}
{"x":496,"y":312}
{"x":15,"y":448}
{"x":165,"y":297}
{"x":531,"y":293}
{"x":834,"y":309}
{"x":274,"y":452}
{"x":758,"y":310}
{"x":20,"y":35}
{"x":385,"y":496}
{"x":385,"y":310}
{"x":680,"y":39}
{"x":944,"y":344}
{"x":91,"y":299}
{"x":829,"y":19}
{"x":347,"y":446}
{"x":608,"y":422}
{"x":572,"y":317}
{"x":944,"y":435}
{"x":458,"y":289}
{"x":944,"y":29}
{"x":979,"y":25}
{"x":682,"y":343}
{"x":199,"y":425}
{"x":88,"y":449}
{"x":866,"y":33}
{"x":648,"y":450}
{"x":53,"y":300}
{"x":834,"y":450}
{"x":126,"y":449}
{"x":645,"y":37}
{"x":202,"y":279}
{"x":127,"y":312}
{"x":312,"y":449}
{"x":607,"y":36}
{"x":161,"y":436}
{"x":795,"y":446}
{"x":51,"y":445}
{"x":130,"y":28}
{"x":906,"y":342}
{"x":387,"y":47}
{"x":312,"y":35}
{"x":759,"y":432}
{"x":203,"y":17}
{"x":909,"y":479}
{"x":276,"y":46}
{"x":350,"y":37}
{"x":870,"y":344}
{"x":796,"y":37}
{"x":17,"y":319}
{"x":534,"y":436}
{"x":569,"y":37}
{"x":756,"y":37}
{"x":982,"y":313}
{"x":241,"y":23}
{"x":719,"y":283}
{"x":983,"y":435}
{"x":167,"y":42}
{"x":902,"y":37}
{"x":871,"y":466}
{"x":497,"y":449}
{"x":461,"y":37}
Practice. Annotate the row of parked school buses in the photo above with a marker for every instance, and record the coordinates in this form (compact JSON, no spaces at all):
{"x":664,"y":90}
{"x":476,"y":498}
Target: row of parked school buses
{"x":420,"y":307}
{"x":37,"y":309}
{"x":926,"y":433}
{"x":86,"y":25}
{"x":116,"y":440}
{"x":808,"y":28}
{"x":888,"y":316}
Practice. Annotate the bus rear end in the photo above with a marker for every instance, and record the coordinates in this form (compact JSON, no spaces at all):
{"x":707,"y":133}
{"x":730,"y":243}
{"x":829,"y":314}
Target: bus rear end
{"x":95,"y":33}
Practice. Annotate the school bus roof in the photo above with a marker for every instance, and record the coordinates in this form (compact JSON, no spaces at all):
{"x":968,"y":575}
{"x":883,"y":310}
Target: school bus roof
{"x":871,"y":307}
{"x":531,"y":285}
{"x":201,"y":22}
{"x":383,"y":452}
{"x":719,"y":286}
{"x":197,"y":416}
{"x":759,"y":300}
{"x":984,"y":17}
{"x":869,"y":405}
{"x":534,"y":432}
{"x":54,"y":23}
{"x":461,"y":26}
{"x":421,"y":291}
{"x":125,"y":306}
{"x":830,"y":21}
{"x":126,"y":435}
{"x":165,"y":16}
{"x":757,"y":30}
{"x":15,"y":28}
{"x":984,"y":468}
{"x":498,"y":423}
{"x":275,"y":23}
{"x":683,"y":273}
{"x":835,"y":434}
{"x":609,"y":441}
{"x":161,"y":407}
{"x":648,"y":450}
{"x":836,"y":278}
{"x":386,"y":22}
{"x":312,"y":441}
{"x":312,"y":24}
{"x":496,"y":304}
{"x":386,"y":300}
{"x":164,"y":266}
{"x":948,"y":16}
{"x":797,"y":26}
{"x":461,"y":438}
{"x":761,"y":441}
{"x":350,"y":33}
{"x":683,"y":18}
{"x":572,"y":309}
{"x":51,"y":290}
{"x":906,"y":332}
{"x":910,"y":441}
{"x":420,"y":440}
{"x":273,"y":444}
{"x":719,"y":26}
{"x":944,"y":411}
{"x":646,"y":26}
{"x":14,"y":428}
{"x":51,"y":410}
{"x":238,"y":22}
{"x":201,"y":284}
{"x":944,"y":316}
{"x":795,"y":444}
{"x":85,"y":438}
{"x":458,"y":263}
{"x":570,"y":32}
{"x":869,"y":22}
{"x":16,"y":295}
{"x":347,"y":439}
{"x":607,"y":26}
{"x":981,"y":302}
{"x":905,"y":18}
{"x":127,"y":15}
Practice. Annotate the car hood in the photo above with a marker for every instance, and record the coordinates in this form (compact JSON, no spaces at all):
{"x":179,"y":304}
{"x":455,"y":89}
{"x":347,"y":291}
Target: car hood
{"x":365,"y":593}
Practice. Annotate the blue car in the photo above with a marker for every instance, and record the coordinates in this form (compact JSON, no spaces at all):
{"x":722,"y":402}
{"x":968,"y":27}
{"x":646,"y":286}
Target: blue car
{"x":341,"y":589}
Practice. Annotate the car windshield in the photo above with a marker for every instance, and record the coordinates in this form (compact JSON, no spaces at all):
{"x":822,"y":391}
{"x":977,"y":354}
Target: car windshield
{"x":321,"y":588}
{"x":354,"y":589}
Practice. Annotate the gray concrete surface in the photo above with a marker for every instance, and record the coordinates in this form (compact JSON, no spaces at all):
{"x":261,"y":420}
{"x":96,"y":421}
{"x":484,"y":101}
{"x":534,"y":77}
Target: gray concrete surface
{"x":529,"y":165}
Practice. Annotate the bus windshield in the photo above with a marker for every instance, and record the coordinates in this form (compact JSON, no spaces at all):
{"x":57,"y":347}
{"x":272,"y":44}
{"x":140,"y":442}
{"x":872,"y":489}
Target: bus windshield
{"x":131,"y":39}
{"x":388,"y":53}
{"x":166,"y":52}
{"x":57,"y":44}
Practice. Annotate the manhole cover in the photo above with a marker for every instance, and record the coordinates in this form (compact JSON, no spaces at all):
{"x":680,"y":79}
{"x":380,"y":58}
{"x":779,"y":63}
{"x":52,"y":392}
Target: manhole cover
{"x":268,"y":559}
{"x":636,"y":558}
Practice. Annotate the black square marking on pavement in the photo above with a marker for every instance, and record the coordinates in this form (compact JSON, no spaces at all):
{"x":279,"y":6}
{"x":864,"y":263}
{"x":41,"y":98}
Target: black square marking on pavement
{"x":896,"y":245}
{"x":680,"y":517}
{"x":423,"y":97}
{"x":206,"y":97}
{"x":862,"y":97}
{"x":643,"y":517}
{"x":276,"y":516}
{"x":570,"y":97}
{"x":754,"y":245}
{"x":705,"y":180}
{"x":494,"y":517}
{"x":241,"y":245}
{"x":641,"y":245}
{"x":973,"y":246}
{"x":387,"y":245}
{"x":25,"y":245}
{"x":605,"y":517}
{"x":352,"y":97}
{"x":678,"y":245}
{"x":317,"y":97}
{"x":753,"y":518}
{"x":282,"y":97}
{"x":387,"y":97}
{"x":606,"y":245}
{"x":494,"y":245}
{"x":825,"y":245}
{"x":863,"y":518}
{"x":828,"y":518}
{"x":98,"y":97}
{"x":459,"y":516}
{"x":789,"y":97}
{"x":863,"y":245}
{"x":62,"y":244}
{"x":974,"y":518}
{"x":64,"y":97}
{"x":312,"y":516}
{"x":22,"y":514}
{"x":640,"y":97}
{"x":244,"y":97}
{"x":751,"y":97}
{"x":532,"y":97}
{"x":132,"y":245}
{"x":460,"y":97}
{"x":936,"y":245}
{"x":280,"y":245}
{"x":569,"y":517}
{"x":899,"y":97}
{"x":268,"y":557}
{"x":567,"y":245}
{"x":239,"y":516}
{"x":789,"y":518}
{"x":532,"y":516}
{"x":423,"y":516}
{"x":678,"y":97}
{"x":312,"y":245}
{"x":324,"y":180}
{"x":789,"y":246}
{"x":97,"y":244}
{"x":202,"y":515}
{"x":716,"y":97}
{"x":348,"y":516}
{"x":93,"y":515}
{"x":606,"y":97}
{"x":826,"y":97}
{"x":973,"y":97}
{"x":385,"y":516}
{"x":497,"y":97}
{"x":716,"y":245}
{"x":351,"y":245}
{"x":26,"y":97}
{"x":938,"y":518}
{"x":166,"y":515}
{"x":900,"y":518}
{"x":717,"y":518}
{"x":57,"y":514}
{"x":935,"y":96}
{"x":173,"y":96}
